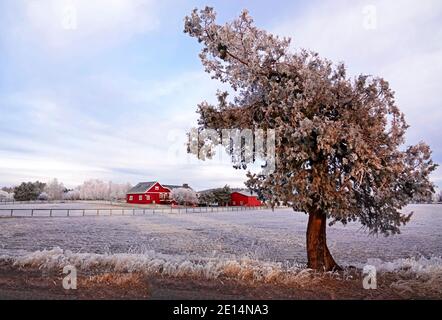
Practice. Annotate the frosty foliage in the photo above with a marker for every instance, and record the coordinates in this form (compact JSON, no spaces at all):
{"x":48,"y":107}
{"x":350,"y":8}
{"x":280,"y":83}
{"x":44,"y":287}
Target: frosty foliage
{"x":420,"y":275}
{"x":43,"y":196}
{"x":71,"y":195}
{"x":6,"y":195}
{"x":54,"y":190}
{"x":218,"y":196}
{"x":416,"y":276}
{"x":93,"y":189}
{"x":154,"y":263}
{"x":27,"y":191}
{"x":437,"y":196}
{"x":339,"y":140}
{"x":184,"y":196}
{"x":99,"y":190}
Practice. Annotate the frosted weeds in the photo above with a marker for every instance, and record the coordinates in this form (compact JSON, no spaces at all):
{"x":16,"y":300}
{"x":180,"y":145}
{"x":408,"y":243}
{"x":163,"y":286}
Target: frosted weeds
{"x":420,"y":265}
{"x":421,"y":276}
{"x":151,"y":262}
{"x":413,"y":275}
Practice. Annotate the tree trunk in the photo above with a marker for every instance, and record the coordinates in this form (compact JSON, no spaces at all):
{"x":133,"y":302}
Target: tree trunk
{"x":318,"y":255}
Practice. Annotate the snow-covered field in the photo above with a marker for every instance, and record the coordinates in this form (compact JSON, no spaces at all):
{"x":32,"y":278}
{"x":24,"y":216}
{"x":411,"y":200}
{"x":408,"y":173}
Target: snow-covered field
{"x":209,"y":242}
{"x":263,"y":235}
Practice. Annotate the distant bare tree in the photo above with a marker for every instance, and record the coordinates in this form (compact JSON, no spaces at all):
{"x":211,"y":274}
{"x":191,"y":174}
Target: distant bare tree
{"x":54,"y":190}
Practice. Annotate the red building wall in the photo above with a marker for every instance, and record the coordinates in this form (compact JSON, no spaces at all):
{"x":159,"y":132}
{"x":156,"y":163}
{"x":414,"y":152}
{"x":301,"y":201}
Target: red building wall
{"x":153,"y":195}
{"x":238,"y":199}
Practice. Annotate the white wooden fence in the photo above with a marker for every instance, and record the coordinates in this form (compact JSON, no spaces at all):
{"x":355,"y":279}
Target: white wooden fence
{"x":81,"y":212}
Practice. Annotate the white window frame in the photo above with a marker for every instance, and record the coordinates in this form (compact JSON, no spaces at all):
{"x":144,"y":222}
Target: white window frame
{"x":131,"y":198}
{"x":147,"y":197}
{"x":140,"y":198}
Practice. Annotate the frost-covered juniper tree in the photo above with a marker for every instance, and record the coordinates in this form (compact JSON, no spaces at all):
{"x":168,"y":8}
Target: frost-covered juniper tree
{"x":338,"y":143}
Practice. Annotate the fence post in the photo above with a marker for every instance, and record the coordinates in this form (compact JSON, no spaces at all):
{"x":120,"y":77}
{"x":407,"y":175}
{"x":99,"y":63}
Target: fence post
{"x":68,"y":213}
{"x":32,"y":212}
{"x":12,"y":210}
{"x":144,"y":211}
{"x":50,"y":212}
{"x":133,"y":212}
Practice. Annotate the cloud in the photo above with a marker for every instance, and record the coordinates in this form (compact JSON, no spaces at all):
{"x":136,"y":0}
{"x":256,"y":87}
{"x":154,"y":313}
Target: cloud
{"x":138,"y":134}
{"x":71,"y":110}
{"x":66,"y":26}
{"x":404,"y":46}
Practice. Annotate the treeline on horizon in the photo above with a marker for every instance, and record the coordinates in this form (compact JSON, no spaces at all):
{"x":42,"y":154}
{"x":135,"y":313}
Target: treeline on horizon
{"x":93,"y":189}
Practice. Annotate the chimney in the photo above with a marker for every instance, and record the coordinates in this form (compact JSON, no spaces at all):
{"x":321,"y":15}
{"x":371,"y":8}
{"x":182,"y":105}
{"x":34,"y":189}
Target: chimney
{"x":185,"y":185}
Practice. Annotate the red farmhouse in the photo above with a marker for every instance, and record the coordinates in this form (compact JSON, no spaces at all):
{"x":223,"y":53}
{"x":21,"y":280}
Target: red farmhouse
{"x":244,"y":198}
{"x":151,"y":192}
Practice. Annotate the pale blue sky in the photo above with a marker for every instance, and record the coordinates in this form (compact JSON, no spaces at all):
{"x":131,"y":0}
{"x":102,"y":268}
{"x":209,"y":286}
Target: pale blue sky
{"x":113,"y":97}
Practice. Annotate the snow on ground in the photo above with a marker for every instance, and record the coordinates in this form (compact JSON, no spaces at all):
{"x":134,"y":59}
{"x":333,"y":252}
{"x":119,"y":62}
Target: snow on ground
{"x":259,"y":244}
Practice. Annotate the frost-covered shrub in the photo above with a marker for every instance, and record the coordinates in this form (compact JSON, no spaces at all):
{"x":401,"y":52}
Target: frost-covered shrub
{"x":71,"y":195}
{"x":184,"y":196}
{"x":43,"y":196}
{"x":4,"y":196}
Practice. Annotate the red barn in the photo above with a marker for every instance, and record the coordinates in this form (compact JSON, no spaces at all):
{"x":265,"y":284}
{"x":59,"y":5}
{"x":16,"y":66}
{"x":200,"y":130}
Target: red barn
{"x":244,"y":198}
{"x":151,"y":192}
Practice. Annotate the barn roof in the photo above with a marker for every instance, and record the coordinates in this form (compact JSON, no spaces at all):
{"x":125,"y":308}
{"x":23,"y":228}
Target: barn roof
{"x":245,"y":192}
{"x":242,"y":191}
{"x":142,"y":187}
